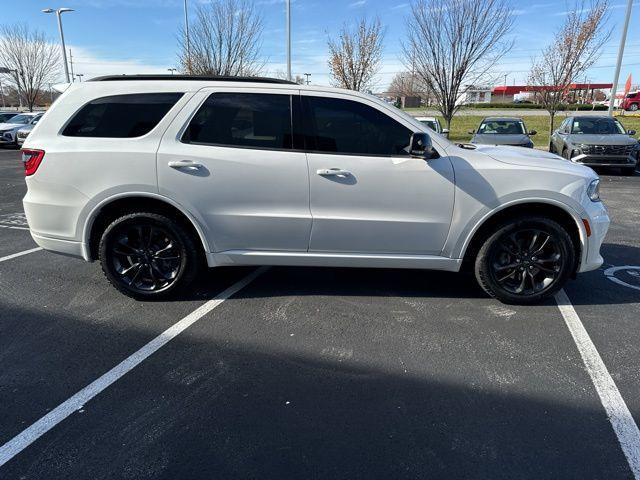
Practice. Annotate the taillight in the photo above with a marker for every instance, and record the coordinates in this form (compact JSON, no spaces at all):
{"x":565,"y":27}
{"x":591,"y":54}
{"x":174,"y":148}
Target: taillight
{"x":32,"y":160}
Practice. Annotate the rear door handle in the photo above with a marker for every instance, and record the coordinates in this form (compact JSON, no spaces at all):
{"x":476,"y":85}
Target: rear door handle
{"x":184,"y":164}
{"x":333,"y":172}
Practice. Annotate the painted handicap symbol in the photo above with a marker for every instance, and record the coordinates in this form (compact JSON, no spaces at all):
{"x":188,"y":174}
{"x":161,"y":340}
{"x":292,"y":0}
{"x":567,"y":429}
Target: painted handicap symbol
{"x":624,"y":275}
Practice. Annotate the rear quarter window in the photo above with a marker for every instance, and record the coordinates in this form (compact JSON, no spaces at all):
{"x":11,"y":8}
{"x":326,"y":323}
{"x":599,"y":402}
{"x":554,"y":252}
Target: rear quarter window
{"x":121,"y":116}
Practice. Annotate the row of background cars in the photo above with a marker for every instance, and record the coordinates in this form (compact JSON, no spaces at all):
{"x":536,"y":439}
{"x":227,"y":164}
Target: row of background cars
{"x":595,"y":141}
{"x":15,"y":127}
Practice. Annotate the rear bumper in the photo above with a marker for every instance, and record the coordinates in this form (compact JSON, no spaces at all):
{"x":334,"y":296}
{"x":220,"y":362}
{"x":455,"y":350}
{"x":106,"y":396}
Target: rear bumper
{"x":63,"y":247}
{"x":605,"y":160}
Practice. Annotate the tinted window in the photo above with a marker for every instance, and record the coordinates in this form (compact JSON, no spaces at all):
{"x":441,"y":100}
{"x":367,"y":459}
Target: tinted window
{"x":502,"y":127}
{"x":121,"y":116}
{"x":344,"y":126}
{"x":597,"y":126}
{"x":6,"y":116}
{"x":252,"y":120}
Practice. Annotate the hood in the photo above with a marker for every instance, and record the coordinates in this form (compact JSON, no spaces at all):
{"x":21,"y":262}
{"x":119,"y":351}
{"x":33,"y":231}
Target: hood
{"x":11,"y":126}
{"x":620,"y":139}
{"x":527,"y":157}
{"x":497,"y":139}
{"x":26,"y":128}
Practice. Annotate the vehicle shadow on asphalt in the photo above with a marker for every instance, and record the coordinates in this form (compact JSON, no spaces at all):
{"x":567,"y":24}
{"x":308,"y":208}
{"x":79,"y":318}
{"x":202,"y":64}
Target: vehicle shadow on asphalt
{"x":207,"y":406}
{"x":304,"y":281}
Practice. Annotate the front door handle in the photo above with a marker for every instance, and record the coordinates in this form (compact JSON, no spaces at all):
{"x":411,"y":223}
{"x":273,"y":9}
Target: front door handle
{"x":185,"y":164}
{"x":333,"y":172}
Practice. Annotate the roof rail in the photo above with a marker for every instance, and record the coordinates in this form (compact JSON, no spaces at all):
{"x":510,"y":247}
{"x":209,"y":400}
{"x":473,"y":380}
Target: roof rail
{"x":207,"y":78}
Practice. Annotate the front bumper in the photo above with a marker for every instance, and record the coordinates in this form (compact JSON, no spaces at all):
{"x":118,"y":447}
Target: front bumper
{"x":599,"y":221}
{"x":592,"y":160}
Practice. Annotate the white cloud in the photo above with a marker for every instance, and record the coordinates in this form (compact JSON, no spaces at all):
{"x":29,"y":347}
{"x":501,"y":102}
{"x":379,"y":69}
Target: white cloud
{"x":358,"y":3}
{"x":90,"y":64}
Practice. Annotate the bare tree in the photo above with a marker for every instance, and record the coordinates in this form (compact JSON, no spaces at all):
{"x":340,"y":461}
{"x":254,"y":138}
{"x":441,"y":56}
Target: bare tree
{"x":453,"y":43}
{"x":354,"y":58}
{"x":224,"y":39}
{"x":577,"y":47}
{"x":33,"y":61}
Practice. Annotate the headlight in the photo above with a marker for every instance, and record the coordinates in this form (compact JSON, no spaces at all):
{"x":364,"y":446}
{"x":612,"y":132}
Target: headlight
{"x":593,"y":190}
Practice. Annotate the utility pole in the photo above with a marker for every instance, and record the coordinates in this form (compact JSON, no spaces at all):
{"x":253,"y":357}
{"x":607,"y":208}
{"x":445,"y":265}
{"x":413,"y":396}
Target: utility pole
{"x":2,"y":94}
{"x":504,"y":92}
{"x":623,"y":41}
{"x":307,"y":75}
{"x":71,"y":63}
{"x":289,"y":40}
{"x":186,"y":31}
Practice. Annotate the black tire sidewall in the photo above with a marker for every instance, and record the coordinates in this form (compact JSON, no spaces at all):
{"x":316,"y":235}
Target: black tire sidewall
{"x":483,"y":267}
{"x":189,"y":259}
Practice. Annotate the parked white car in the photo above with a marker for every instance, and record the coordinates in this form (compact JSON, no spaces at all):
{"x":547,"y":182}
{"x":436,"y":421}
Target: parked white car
{"x":434,"y":124}
{"x":156,"y":176}
{"x":9,"y":130}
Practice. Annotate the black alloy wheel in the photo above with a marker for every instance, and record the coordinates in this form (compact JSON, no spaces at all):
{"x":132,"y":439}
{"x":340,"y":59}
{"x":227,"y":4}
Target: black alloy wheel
{"x":525,"y":260}
{"x":148,"y":256}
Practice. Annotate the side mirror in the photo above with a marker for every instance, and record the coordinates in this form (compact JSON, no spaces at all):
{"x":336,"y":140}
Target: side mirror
{"x":421,"y":146}
{"x":631,"y":132}
{"x":532,"y":133}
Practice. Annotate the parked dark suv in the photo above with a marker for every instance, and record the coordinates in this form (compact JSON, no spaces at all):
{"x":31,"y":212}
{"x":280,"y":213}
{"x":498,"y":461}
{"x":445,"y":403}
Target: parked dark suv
{"x":597,"y":141}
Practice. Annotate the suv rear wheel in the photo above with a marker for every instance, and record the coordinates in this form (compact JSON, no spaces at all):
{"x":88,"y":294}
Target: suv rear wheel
{"x":525,"y":260}
{"x":148,"y":256}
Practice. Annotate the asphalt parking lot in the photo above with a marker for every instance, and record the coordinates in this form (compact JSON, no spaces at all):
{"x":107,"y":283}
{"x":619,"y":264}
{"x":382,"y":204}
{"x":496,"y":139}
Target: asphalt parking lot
{"x":314,"y":373}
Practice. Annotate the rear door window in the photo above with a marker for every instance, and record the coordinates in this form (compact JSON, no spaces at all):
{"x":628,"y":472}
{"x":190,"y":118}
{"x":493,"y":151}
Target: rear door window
{"x":121,"y":116}
{"x":248,"y":120}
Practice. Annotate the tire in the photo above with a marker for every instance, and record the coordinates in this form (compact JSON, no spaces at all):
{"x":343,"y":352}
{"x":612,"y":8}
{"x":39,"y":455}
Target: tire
{"x":504,"y":264}
{"x":566,"y":154}
{"x":552,"y":149}
{"x":633,"y":107}
{"x":165,"y":252}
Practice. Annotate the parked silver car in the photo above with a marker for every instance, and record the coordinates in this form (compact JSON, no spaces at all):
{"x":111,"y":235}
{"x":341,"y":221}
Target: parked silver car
{"x":9,"y":129}
{"x":24,"y":132}
{"x":596,"y":141}
{"x":502,"y":131}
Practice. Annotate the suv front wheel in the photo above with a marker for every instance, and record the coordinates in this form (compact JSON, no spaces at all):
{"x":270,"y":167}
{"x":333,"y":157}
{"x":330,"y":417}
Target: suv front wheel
{"x":148,"y":256}
{"x":525,"y":260}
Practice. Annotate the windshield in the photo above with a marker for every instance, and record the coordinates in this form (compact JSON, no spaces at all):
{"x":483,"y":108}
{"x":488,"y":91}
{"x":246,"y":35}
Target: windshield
{"x":502,"y":127}
{"x":597,"y":126}
{"x":6,"y":116}
{"x":431,"y":124}
{"x":22,"y":119}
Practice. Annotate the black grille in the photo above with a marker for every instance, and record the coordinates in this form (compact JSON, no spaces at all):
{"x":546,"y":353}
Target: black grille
{"x":608,"y":149}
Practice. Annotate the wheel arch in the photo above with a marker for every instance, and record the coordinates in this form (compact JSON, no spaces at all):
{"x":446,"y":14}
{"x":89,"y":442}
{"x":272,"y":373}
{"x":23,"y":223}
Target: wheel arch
{"x":550,"y":209}
{"x":109,"y":209}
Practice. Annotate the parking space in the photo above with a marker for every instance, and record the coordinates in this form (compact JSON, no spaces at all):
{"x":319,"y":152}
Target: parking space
{"x":314,"y":373}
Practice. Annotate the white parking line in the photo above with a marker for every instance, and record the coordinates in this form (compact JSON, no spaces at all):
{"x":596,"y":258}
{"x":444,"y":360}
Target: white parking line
{"x":19,"y":254}
{"x":11,"y":227}
{"x":619,"y":415}
{"x":21,"y":441}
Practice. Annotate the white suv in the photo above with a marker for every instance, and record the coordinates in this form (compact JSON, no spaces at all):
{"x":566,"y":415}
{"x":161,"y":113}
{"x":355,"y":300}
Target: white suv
{"x":156,"y":175}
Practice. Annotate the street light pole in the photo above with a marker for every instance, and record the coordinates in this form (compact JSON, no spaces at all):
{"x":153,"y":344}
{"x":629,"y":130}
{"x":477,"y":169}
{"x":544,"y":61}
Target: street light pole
{"x":2,"y":94}
{"x":307,"y":75}
{"x":59,"y":13}
{"x":186,"y":31}
{"x":172,"y":70}
{"x":623,"y":40}
{"x":289,"y":40}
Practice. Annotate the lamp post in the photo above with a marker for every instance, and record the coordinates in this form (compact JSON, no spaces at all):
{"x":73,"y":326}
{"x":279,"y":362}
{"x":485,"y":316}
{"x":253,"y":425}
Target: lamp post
{"x":58,"y":13}
{"x":289,"y":40}
{"x":80,"y":75}
{"x":172,"y":70}
{"x":623,"y":41}
{"x":186,"y":32}
{"x":2,"y":94}
{"x":17,"y":74}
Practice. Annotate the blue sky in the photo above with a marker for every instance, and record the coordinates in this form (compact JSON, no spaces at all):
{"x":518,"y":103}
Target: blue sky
{"x":139,"y":36}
